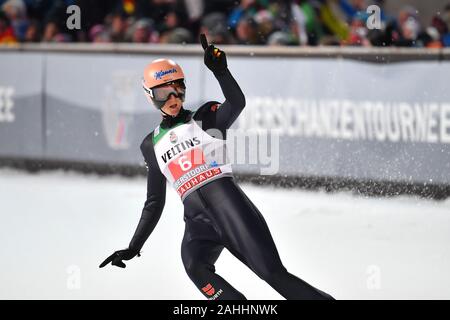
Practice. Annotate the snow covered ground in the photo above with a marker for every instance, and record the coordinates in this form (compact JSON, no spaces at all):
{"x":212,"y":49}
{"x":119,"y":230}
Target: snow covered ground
{"x":57,"y":227}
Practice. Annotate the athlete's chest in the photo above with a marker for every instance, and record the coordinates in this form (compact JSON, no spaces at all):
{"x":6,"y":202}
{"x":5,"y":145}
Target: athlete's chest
{"x":173,"y":142}
{"x":189,"y":157}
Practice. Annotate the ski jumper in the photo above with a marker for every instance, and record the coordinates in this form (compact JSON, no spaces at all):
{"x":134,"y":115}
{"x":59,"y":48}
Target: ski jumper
{"x":188,"y":151}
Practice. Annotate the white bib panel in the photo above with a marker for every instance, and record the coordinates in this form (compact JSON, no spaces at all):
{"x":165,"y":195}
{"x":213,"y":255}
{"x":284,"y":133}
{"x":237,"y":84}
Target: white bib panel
{"x":189,"y":157}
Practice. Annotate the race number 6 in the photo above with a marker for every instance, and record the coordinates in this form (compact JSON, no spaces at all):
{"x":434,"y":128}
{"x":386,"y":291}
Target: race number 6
{"x":188,"y":161}
{"x":185,"y":165}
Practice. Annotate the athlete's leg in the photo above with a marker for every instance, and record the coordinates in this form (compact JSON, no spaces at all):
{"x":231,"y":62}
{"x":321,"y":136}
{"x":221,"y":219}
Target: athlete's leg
{"x":287,"y":284}
{"x":199,"y":251}
{"x":248,"y":238}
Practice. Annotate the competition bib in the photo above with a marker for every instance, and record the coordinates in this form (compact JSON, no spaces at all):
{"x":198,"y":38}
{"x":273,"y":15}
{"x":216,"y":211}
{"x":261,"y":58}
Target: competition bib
{"x":189,"y":157}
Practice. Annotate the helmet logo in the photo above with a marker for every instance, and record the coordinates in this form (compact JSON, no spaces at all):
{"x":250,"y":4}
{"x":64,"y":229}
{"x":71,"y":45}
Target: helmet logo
{"x":173,"y":137}
{"x":160,"y":74}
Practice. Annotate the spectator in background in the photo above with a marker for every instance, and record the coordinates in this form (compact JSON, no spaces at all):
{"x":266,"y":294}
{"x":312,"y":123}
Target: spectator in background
{"x":353,"y":8}
{"x":93,"y":12}
{"x":143,"y":31}
{"x":298,"y":24}
{"x":99,"y":34}
{"x":38,"y":10}
{"x":282,"y":23}
{"x":446,"y":16}
{"x":62,"y":37}
{"x":169,"y":24}
{"x":434,"y":35}
{"x":159,"y":10}
{"x":430,"y":38}
{"x":223,"y":6}
{"x":16,"y":12}
{"x":55,"y":29}
{"x":439,"y":24}
{"x":409,"y":27}
{"x":358,"y":35}
{"x":265,"y":21}
{"x":95,"y":31}
{"x":383,"y":37}
{"x":117,"y":26}
{"x":245,"y":8}
{"x":446,"y":37}
{"x":279,"y":38}
{"x":33,"y":33}
{"x":177,"y":35}
{"x":442,"y":24}
{"x":214,"y":26}
{"x":312,"y":22}
{"x":50,"y":31}
{"x":194,"y":10}
{"x":281,"y":11}
{"x":6,"y":31}
{"x":406,"y":13}
{"x":247,"y":31}
{"x":253,"y":22}
{"x":331,"y":23}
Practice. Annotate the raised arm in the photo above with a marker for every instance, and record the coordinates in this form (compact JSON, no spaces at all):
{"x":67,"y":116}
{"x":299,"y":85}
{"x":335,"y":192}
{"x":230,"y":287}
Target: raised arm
{"x":234,"y":102}
{"x":227,"y":112}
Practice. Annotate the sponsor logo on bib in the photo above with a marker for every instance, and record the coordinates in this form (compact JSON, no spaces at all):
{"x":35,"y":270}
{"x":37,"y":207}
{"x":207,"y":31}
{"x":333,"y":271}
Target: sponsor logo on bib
{"x":173,"y":137}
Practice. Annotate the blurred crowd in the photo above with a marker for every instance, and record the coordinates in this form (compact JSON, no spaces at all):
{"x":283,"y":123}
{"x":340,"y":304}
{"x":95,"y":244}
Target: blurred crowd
{"x":252,"y":22}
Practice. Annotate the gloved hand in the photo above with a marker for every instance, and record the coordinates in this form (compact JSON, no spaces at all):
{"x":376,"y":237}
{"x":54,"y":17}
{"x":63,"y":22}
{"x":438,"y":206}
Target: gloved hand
{"x":117,"y":257}
{"x":215,"y":59}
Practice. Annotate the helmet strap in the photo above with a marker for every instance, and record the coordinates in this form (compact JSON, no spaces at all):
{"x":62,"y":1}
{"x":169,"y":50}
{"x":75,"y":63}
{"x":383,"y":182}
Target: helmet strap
{"x":166,"y":115}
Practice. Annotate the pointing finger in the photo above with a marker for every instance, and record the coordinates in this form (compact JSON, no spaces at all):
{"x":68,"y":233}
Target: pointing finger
{"x":203,"y":41}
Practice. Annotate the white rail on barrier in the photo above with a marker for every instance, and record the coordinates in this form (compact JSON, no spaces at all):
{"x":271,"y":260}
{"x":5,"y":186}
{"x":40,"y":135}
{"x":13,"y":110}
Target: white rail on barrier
{"x":374,"y":54}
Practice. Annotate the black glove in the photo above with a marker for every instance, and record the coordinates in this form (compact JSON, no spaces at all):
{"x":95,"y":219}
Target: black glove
{"x":117,"y":257}
{"x":215,"y":59}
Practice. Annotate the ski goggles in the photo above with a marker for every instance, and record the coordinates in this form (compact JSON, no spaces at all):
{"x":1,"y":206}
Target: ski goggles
{"x":162,"y":93}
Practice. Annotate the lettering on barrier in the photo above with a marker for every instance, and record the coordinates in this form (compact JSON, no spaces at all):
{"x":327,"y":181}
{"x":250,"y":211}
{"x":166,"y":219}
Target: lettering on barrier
{"x":6,"y":104}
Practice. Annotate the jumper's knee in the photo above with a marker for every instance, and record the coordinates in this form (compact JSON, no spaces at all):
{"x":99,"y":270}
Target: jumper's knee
{"x":271,"y":275}
{"x":197,"y":270}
